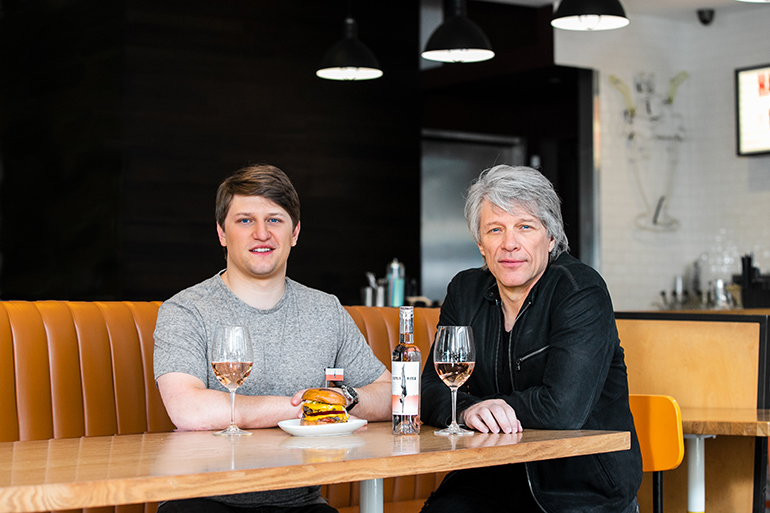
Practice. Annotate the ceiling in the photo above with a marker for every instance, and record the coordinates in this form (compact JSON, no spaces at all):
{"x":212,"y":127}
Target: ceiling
{"x":674,"y":9}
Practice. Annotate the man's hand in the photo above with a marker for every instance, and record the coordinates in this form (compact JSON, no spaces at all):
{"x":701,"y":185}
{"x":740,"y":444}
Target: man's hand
{"x":296,"y":399}
{"x":491,"y":416}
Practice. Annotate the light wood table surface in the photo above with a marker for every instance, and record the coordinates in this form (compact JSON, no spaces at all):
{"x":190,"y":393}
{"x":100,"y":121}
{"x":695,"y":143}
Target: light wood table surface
{"x":726,"y":421}
{"x":125,"y":469}
{"x":701,"y":423}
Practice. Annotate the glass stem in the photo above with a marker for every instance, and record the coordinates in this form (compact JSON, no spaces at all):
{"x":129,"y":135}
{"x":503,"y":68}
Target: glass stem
{"x":454,"y":405}
{"x":232,"y":407}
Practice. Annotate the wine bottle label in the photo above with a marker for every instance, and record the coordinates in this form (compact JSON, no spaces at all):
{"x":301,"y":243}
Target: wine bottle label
{"x":406,"y":388}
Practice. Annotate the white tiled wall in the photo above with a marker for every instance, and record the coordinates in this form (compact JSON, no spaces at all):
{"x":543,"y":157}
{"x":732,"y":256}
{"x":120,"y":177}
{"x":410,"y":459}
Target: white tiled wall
{"x":721,"y":201}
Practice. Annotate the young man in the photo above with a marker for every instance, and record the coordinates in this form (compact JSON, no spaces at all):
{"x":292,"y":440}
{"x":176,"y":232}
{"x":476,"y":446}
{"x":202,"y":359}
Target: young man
{"x":547,"y":357}
{"x":296,"y":333}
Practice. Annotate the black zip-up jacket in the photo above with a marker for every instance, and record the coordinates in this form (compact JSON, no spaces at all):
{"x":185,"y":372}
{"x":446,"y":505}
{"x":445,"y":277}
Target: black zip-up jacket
{"x":567,"y":370}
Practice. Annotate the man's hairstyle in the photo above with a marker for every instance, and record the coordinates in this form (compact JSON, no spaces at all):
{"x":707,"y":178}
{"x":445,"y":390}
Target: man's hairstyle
{"x":516,"y":189}
{"x":262,"y":180}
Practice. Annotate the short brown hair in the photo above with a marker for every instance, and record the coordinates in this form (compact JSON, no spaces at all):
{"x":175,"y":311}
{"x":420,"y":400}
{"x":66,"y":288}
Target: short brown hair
{"x":262,"y":180}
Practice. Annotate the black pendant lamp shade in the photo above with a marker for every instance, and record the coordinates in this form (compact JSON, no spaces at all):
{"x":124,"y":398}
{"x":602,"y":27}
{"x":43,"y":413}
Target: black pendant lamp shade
{"x":349,"y":59}
{"x":589,"y":15}
{"x":458,"y":39}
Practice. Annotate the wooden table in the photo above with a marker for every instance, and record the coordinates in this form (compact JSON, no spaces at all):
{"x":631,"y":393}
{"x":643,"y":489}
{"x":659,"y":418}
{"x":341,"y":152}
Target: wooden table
{"x":701,"y":423}
{"x":726,"y":421}
{"x":125,"y":469}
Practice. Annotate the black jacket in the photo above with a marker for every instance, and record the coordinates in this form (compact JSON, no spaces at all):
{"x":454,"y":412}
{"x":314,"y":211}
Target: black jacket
{"x":567,"y":371}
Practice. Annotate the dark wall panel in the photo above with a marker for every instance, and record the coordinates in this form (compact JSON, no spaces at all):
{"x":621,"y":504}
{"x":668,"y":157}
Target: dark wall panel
{"x":60,"y":95}
{"x":119,"y":119}
{"x":173,"y":98}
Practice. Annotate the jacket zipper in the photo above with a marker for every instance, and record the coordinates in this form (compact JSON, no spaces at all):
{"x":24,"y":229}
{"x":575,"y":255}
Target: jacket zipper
{"x":528,"y":356}
{"x":518,"y":368}
{"x":510,"y":344}
{"x":497,"y":347}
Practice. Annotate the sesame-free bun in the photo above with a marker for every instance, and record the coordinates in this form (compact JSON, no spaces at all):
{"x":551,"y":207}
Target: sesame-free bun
{"x":324,"y":395}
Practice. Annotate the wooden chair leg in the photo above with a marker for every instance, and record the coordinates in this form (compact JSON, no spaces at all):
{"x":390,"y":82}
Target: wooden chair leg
{"x":657,"y":492}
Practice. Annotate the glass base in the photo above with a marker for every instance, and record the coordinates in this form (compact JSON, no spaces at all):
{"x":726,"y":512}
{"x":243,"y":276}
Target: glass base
{"x":453,"y":430}
{"x":232,"y":430}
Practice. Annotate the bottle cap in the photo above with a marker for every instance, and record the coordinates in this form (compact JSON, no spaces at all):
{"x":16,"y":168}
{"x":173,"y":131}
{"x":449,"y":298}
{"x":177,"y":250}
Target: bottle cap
{"x":396,"y":269}
{"x":406,"y":312}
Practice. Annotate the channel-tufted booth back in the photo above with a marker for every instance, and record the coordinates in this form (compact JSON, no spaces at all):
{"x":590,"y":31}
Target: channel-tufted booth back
{"x":75,"y":369}
{"x":78,"y":369}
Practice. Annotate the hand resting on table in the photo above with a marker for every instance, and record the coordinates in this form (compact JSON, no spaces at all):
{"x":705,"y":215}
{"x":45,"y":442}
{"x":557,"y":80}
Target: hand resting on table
{"x":491,"y":416}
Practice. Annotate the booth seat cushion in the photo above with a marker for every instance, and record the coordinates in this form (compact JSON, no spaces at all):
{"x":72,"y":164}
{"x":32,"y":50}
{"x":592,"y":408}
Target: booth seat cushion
{"x":85,"y":369}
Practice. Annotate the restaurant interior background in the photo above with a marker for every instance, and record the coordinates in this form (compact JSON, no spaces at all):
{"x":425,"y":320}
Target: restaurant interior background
{"x":119,"y":119}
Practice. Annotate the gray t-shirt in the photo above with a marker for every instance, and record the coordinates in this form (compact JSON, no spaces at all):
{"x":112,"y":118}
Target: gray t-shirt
{"x":307,"y":331}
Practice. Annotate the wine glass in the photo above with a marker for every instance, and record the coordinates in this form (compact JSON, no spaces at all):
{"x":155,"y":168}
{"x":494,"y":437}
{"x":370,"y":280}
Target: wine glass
{"x":454,"y":356}
{"x":232,"y":359}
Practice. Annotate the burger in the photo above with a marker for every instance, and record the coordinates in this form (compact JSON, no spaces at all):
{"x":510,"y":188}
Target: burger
{"x":323,"y":406}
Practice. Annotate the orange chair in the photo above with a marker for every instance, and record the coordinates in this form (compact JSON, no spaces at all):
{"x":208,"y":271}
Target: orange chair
{"x":658,"y":423}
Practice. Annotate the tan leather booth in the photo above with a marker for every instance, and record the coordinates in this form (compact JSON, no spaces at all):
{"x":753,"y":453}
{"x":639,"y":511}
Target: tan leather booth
{"x":77,"y":369}
{"x":705,"y":361}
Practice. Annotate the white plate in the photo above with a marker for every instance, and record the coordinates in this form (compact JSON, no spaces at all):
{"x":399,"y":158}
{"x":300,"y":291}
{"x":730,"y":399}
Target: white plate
{"x":340,"y":428}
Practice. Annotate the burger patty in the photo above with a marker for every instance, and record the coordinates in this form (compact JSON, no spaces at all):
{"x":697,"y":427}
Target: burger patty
{"x":310,"y":413}
{"x":322,"y":412}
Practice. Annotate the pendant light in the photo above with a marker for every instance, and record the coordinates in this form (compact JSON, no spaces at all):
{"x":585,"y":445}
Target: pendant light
{"x":349,"y":59}
{"x":458,"y":39}
{"x":589,"y":15}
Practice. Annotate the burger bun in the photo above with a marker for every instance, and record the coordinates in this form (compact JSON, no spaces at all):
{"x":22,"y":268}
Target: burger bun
{"x":324,"y":395}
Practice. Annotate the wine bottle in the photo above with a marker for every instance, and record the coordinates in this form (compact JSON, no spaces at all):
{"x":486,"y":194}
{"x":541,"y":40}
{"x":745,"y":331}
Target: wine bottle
{"x":405,"y":371}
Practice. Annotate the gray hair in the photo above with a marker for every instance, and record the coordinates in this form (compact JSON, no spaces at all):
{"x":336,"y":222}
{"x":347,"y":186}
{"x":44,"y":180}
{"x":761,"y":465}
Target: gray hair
{"x":514,"y":188}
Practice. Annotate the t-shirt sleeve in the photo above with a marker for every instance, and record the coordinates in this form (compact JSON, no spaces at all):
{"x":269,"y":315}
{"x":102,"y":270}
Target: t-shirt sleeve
{"x":180,"y":341}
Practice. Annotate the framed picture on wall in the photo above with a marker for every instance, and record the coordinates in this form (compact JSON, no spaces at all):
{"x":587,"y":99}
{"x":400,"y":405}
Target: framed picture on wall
{"x":752,"y":101}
